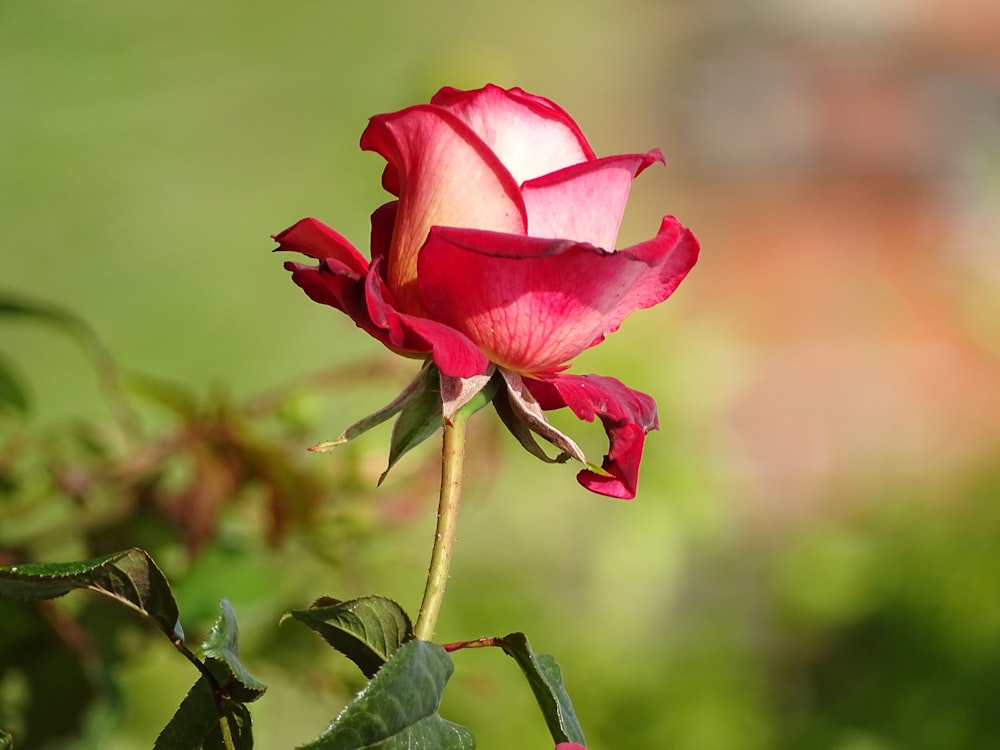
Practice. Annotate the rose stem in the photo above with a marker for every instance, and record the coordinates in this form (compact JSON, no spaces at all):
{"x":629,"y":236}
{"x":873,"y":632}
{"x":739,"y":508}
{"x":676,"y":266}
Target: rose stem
{"x":452,"y":457}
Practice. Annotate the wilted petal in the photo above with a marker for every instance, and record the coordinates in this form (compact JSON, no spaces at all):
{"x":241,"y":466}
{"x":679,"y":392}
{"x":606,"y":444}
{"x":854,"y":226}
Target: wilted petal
{"x":584,"y":202}
{"x":627,"y":416}
{"x":532,"y":135}
{"x":533,"y":304}
{"x":447,"y":176}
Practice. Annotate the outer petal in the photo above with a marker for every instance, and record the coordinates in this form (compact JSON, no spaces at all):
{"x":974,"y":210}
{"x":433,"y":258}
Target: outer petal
{"x":454,"y":354}
{"x":446,"y":176}
{"x":383,"y":220}
{"x":584,"y":202}
{"x":364,"y":298}
{"x":627,"y":416}
{"x":533,"y":304}
{"x":314,"y":238}
{"x":532,"y":135}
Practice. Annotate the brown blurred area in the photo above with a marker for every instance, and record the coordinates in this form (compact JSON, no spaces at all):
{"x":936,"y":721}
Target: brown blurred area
{"x":846,"y":163}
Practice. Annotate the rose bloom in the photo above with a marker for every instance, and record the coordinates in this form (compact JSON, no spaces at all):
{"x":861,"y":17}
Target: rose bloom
{"x":497,"y":259}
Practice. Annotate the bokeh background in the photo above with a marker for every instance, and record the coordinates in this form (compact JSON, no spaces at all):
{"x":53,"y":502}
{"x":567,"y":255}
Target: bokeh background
{"x":813,"y":558}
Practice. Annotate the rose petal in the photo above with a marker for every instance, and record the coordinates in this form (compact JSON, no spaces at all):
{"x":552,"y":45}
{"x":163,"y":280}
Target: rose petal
{"x":446,"y":176}
{"x":531,"y":135}
{"x":454,"y":354}
{"x":533,"y":304}
{"x":368,"y":303}
{"x":584,"y":202}
{"x":315,"y":239}
{"x":627,"y":416}
{"x":383,"y":220}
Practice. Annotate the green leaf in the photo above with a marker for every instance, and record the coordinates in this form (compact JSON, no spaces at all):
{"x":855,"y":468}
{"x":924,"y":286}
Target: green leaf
{"x":398,"y":709}
{"x":130,"y":578}
{"x":368,"y":631}
{"x":196,"y":724}
{"x":216,"y":702}
{"x":220,"y":653}
{"x":545,"y":678}
{"x":6,"y":741}
{"x":13,"y":394}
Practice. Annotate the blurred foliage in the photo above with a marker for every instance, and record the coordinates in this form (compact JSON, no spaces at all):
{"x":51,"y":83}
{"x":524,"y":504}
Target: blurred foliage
{"x":877,"y":629}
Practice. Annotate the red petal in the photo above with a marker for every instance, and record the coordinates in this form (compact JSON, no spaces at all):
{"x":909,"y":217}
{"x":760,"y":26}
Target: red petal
{"x":627,"y":416}
{"x":446,"y":175}
{"x":337,"y":282}
{"x":383,"y":220}
{"x":314,"y":238}
{"x":532,"y":135}
{"x":454,"y":354}
{"x":533,"y":304}
{"x":584,"y":202}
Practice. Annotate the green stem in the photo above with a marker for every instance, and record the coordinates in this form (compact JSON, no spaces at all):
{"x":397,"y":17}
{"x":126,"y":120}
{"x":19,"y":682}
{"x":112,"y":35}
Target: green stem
{"x":452,"y":457}
{"x":227,"y":735}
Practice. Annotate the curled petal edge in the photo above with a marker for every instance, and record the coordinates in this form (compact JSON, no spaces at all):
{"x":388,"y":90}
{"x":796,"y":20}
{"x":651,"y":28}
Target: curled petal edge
{"x":627,"y":416}
{"x":344,"y":280}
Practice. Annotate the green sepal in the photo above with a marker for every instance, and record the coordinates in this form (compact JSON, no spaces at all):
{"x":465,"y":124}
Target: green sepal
{"x":398,"y":710}
{"x":6,"y":741}
{"x":416,"y":387}
{"x":423,"y":416}
{"x":130,"y":578}
{"x":368,"y":631}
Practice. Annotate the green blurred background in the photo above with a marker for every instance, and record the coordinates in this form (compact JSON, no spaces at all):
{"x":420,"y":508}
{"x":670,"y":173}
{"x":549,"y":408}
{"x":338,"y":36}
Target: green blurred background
{"x":812,"y":561}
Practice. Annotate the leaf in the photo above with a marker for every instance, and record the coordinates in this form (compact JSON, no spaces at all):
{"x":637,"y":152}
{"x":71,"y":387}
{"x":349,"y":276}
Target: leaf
{"x":545,"y":678}
{"x":368,"y":631}
{"x":130,"y":578}
{"x":398,"y":709}
{"x":220,"y":653}
{"x":6,"y":741}
{"x":217,"y":697}
{"x":13,"y":394}
{"x":196,"y":724}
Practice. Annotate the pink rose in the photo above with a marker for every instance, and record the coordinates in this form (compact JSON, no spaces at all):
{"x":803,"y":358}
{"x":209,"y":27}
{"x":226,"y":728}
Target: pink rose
{"x":570,"y":746}
{"x":497,"y":257}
